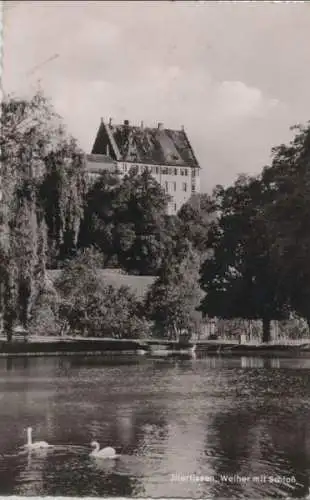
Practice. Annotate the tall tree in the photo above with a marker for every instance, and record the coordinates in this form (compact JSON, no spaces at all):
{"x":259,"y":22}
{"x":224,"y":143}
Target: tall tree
{"x":62,"y":194}
{"x":24,"y":142}
{"x":31,"y":132}
{"x":239,"y":277}
{"x":173,"y":299}
{"x":128,"y":222}
{"x":98,"y":218}
{"x":288,"y":213}
{"x":196,"y":217}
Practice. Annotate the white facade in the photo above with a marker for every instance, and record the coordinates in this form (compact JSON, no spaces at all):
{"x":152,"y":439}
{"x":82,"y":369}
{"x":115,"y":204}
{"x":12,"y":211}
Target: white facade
{"x":178,"y":182}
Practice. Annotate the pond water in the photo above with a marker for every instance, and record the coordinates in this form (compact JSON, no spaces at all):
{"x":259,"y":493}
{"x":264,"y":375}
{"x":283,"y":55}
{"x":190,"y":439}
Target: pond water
{"x":202,"y":428}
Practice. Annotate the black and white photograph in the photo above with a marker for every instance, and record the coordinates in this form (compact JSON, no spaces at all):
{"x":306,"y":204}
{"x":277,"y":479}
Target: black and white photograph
{"x":155,"y":250}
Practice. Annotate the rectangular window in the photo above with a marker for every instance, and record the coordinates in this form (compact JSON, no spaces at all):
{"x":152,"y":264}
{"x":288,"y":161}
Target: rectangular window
{"x":175,"y":171}
{"x":157,"y":170}
{"x":175,"y":207}
{"x":170,"y":171}
{"x":184,"y":186}
{"x":193,"y":188}
{"x":166,"y":187}
{"x":182,"y":171}
{"x":185,"y":171}
{"x":174,"y":186}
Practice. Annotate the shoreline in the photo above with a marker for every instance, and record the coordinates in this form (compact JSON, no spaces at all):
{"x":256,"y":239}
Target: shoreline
{"x":145,"y":347}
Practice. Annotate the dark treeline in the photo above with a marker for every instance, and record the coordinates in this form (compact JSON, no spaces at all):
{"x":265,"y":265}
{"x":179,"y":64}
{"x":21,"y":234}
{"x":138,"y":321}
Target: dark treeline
{"x":259,"y":267}
{"x":240,"y":253}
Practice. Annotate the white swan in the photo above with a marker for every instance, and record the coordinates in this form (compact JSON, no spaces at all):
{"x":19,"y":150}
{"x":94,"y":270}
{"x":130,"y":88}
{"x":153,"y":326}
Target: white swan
{"x":37,"y":445}
{"x":107,"y":452}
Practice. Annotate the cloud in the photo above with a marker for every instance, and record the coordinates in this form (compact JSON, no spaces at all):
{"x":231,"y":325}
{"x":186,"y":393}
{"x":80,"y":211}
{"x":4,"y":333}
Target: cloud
{"x":234,"y":99}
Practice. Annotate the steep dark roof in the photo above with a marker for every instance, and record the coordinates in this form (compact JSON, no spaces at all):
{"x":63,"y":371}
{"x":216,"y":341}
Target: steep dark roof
{"x":159,"y":146}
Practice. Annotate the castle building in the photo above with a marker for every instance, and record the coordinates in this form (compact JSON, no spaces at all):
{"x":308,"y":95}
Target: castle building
{"x":167,"y":154}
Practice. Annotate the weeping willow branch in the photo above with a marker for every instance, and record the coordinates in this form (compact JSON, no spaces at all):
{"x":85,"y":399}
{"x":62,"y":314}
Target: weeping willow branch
{"x":42,"y":187}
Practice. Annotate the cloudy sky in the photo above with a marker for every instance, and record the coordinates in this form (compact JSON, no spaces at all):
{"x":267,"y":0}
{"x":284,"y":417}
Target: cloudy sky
{"x":236,"y":75}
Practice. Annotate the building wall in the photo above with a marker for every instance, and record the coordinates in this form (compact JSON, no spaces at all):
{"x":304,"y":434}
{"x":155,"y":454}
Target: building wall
{"x":178,"y":182}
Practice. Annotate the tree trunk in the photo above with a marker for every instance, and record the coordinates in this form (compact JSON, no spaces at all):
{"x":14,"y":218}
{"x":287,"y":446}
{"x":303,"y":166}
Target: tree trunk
{"x":266,"y":330}
{"x":9,"y":317}
{"x":8,"y":329}
{"x":175,"y":332}
{"x":308,"y":323}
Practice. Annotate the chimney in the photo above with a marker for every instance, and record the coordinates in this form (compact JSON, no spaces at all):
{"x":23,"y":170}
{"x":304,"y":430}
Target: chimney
{"x":160,"y":126}
{"x":182,"y":128}
{"x":142,"y":125}
{"x":101,"y":119}
{"x":110,"y":122}
{"x":126,"y":123}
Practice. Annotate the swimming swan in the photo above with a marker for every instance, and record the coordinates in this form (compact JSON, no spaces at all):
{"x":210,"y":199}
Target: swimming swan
{"x":37,"y":445}
{"x":107,"y":452}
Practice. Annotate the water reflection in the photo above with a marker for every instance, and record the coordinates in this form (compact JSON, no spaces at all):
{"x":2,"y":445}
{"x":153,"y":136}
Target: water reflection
{"x":230,"y":419}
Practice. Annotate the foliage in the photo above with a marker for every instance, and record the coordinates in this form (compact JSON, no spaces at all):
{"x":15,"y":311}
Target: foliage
{"x":90,"y":307}
{"x":288,"y":213}
{"x":23,"y":141}
{"x":253,"y":238}
{"x":127,"y":222}
{"x":31,"y":137}
{"x":44,"y":314}
{"x":97,"y":224}
{"x":174,"y":297}
{"x":62,"y":193}
{"x":196,"y":217}
{"x":121,"y":314}
{"x":239,"y":278}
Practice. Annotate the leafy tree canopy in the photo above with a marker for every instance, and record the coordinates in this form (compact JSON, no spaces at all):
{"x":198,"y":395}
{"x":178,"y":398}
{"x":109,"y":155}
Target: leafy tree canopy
{"x":91,"y":307}
{"x":33,"y":145}
{"x":174,"y":297}
{"x":239,"y":278}
{"x":287,"y":213}
{"x":127,"y":221}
